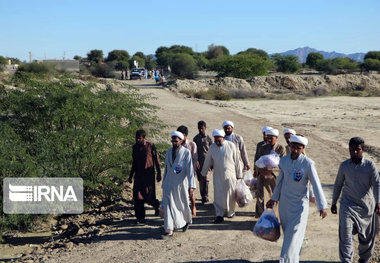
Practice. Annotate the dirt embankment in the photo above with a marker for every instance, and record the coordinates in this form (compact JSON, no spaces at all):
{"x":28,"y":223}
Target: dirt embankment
{"x":283,"y":84}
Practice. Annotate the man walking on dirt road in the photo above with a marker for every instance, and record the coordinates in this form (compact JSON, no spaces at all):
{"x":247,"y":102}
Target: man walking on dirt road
{"x":359,"y":179}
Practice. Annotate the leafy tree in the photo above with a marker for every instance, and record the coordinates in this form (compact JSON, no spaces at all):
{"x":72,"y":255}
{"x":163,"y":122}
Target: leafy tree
{"x":287,"y":63}
{"x":201,"y":60}
{"x":76,"y":57}
{"x":373,"y":55}
{"x":184,"y":66}
{"x":336,"y":65}
{"x":241,"y":66}
{"x":95,"y":56}
{"x":3,"y":61}
{"x":371,"y":64}
{"x":313,"y":58}
{"x":216,"y":51}
{"x":255,"y":51}
{"x":140,"y":54}
{"x":181,"y":49}
{"x":117,"y":56}
{"x":164,"y":58}
{"x":150,"y":62}
{"x":140,"y":61}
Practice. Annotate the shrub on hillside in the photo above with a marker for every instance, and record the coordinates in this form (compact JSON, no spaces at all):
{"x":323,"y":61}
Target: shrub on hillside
{"x":103,"y":71}
{"x":37,"y":68}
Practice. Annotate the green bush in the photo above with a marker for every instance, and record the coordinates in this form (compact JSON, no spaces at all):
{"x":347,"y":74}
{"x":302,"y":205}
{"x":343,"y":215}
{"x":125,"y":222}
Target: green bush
{"x":37,"y":68}
{"x":287,"y":63}
{"x":184,"y":66}
{"x":243,"y":66}
{"x":61,"y":129}
{"x":103,"y":71}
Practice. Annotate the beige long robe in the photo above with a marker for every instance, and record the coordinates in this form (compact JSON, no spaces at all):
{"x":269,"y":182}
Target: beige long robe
{"x":227,"y":169}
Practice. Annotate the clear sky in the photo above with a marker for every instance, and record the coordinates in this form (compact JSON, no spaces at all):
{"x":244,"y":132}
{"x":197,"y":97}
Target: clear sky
{"x":53,"y":29}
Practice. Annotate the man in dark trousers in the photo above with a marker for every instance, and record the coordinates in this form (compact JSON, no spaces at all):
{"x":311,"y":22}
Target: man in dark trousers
{"x":144,"y":161}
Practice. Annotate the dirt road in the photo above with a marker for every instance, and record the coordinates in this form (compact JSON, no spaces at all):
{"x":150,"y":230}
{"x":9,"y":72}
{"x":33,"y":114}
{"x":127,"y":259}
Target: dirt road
{"x":327,"y":122}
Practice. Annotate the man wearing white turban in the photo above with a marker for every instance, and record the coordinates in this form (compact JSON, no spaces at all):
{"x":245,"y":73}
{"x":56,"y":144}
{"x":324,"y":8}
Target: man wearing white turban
{"x":266,"y":180}
{"x":292,"y":193}
{"x":287,"y":134}
{"x":259,"y":145}
{"x":177,"y":185}
{"x":224,"y":158}
{"x":228,"y":127}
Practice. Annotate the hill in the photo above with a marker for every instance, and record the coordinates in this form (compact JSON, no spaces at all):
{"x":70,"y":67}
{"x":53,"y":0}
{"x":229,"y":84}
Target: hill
{"x":302,"y":53}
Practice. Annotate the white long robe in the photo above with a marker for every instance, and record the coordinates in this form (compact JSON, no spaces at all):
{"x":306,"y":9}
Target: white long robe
{"x":293,"y":197}
{"x":226,"y":171}
{"x":175,"y":186}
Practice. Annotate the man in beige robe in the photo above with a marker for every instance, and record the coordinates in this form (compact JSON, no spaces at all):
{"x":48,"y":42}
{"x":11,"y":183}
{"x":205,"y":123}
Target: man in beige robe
{"x":224,"y":158}
{"x":228,"y":127}
{"x":259,"y":146}
{"x":266,"y":180}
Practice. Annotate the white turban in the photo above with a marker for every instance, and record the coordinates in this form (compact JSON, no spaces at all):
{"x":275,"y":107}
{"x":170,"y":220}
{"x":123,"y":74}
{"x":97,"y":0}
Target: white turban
{"x":299,"y":139}
{"x":217,"y":132}
{"x":228,"y":123}
{"x":273,"y":132}
{"x":266,"y":128}
{"x":290,"y":131}
{"x":177,"y":134}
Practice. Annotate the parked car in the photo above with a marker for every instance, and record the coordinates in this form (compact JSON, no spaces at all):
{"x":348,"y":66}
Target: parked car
{"x":137,"y":73}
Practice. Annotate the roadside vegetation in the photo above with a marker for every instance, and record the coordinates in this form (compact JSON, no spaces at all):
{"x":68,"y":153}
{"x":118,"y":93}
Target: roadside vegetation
{"x":57,"y":128}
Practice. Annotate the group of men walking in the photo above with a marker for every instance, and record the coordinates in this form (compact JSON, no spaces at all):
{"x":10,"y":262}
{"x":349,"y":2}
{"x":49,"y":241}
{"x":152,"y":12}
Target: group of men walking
{"x":288,"y":188}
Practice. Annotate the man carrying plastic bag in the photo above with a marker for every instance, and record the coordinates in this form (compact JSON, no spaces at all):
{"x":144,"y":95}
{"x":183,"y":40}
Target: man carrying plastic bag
{"x":296,"y":170}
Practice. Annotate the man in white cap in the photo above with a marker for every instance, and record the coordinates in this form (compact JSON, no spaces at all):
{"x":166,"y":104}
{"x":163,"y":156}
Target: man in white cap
{"x":223,"y":156}
{"x":292,"y":193}
{"x":228,"y":127}
{"x":287,"y":134}
{"x":266,"y":180}
{"x":359,"y":179}
{"x":177,"y":186}
{"x":194,"y":157}
{"x":259,"y":145}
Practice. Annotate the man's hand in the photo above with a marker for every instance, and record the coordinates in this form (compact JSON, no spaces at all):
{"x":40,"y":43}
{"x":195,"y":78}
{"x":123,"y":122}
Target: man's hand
{"x":191,"y":192}
{"x":255,"y":173}
{"x":130,"y":179}
{"x":323,"y":213}
{"x":198,"y":166}
{"x":248,"y":167}
{"x":158,"y":177}
{"x":333,"y":209}
{"x":270,"y":204}
{"x":377,"y":208}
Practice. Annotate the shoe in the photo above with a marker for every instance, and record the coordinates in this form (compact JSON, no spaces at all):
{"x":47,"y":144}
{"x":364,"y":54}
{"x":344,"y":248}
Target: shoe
{"x":218,"y":220}
{"x":185,"y":227}
{"x":157,"y":211}
{"x":231,"y":216}
{"x":205,"y":200}
{"x":140,"y":221}
{"x":166,"y":236}
{"x":363,"y":261}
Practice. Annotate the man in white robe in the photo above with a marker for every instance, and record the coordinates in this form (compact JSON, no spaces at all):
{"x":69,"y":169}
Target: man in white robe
{"x":177,"y":185}
{"x":224,"y":158}
{"x":359,"y":179}
{"x":228,"y":127}
{"x":296,"y":170}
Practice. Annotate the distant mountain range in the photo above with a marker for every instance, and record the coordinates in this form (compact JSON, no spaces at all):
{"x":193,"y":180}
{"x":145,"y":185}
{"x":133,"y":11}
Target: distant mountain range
{"x":302,"y":53}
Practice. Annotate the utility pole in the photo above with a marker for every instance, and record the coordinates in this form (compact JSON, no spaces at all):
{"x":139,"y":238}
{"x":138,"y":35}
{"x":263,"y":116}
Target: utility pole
{"x":30,"y":57}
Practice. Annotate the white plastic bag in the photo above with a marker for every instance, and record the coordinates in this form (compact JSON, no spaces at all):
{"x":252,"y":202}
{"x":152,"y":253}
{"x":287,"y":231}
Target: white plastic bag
{"x":249,"y":180}
{"x":243,"y":195}
{"x":268,"y":161}
{"x":267,"y":227}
